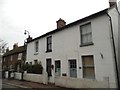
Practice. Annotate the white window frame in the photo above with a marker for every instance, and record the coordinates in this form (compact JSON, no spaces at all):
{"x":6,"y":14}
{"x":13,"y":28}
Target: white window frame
{"x":56,"y":71}
{"x":86,"y":33}
{"x":49,"y":44}
{"x":36,"y":46}
{"x":20,"y":56}
{"x":88,"y":66}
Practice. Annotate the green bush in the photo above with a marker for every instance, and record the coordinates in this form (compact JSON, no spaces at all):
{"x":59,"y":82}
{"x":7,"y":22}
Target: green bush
{"x":26,"y":67}
{"x":36,"y":69}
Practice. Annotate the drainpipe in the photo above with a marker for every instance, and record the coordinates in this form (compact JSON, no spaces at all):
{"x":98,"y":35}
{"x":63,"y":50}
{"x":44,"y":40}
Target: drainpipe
{"x":113,"y":42}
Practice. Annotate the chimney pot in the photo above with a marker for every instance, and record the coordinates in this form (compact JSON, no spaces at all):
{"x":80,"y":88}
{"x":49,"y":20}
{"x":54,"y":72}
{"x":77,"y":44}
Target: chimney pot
{"x":29,"y":38}
{"x":60,"y":23}
{"x":112,"y":2}
{"x":7,"y":49}
{"x":15,"y":45}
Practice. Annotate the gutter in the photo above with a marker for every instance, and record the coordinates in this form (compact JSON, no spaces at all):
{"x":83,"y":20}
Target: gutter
{"x":113,"y":42}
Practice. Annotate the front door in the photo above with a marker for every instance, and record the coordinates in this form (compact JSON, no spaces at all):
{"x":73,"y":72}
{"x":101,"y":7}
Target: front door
{"x":72,"y":68}
{"x":57,"y":68}
{"x":48,"y":67}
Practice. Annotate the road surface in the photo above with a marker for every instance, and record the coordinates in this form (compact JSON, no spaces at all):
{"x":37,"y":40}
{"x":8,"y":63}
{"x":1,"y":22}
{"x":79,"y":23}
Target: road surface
{"x":10,"y":87}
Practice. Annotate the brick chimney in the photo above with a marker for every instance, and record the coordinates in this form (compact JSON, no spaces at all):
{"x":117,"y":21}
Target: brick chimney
{"x":7,"y":49}
{"x":15,"y":45}
{"x":112,"y":2}
{"x":29,"y":38}
{"x":60,"y":23}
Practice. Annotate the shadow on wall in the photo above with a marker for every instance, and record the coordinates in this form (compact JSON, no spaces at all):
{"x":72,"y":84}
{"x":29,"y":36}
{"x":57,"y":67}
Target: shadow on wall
{"x":119,"y":6}
{"x":119,"y":40}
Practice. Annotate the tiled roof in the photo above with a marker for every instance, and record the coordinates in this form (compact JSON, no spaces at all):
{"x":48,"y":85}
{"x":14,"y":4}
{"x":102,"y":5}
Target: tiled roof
{"x":15,"y":51}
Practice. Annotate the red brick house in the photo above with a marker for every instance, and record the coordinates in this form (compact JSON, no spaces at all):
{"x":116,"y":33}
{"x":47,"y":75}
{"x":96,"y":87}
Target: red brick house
{"x":14,"y":59}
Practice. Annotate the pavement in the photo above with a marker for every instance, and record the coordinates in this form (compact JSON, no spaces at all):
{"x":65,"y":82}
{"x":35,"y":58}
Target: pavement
{"x":33,"y":85}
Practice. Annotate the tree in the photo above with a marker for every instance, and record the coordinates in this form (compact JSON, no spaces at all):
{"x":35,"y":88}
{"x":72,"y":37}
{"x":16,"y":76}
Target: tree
{"x":3,"y":45}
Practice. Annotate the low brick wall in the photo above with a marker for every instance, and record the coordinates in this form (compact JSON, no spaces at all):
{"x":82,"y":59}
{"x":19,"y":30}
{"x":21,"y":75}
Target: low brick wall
{"x":80,"y":83}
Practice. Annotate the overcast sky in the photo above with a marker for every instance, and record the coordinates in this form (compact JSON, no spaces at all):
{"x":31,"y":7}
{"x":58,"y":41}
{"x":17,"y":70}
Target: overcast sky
{"x":40,"y":16}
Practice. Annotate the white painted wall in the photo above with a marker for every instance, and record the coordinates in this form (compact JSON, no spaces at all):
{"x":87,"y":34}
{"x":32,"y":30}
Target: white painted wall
{"x":81,"y":83}
{"x":6,"y":74}
{"x":18,"y":75}
{"x":66,"y":45}
{"x":119,"y":43}
{"x":115,"y":26}
{"x":39,"y":78}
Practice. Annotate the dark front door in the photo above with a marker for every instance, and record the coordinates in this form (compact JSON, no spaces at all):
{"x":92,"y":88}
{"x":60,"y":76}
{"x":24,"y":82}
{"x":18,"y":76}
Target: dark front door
{"x":48,"y":67}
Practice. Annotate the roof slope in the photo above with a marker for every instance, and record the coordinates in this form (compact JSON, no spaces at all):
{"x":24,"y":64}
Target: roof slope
{"x":15,"y":51}
{"x":73,"y":23}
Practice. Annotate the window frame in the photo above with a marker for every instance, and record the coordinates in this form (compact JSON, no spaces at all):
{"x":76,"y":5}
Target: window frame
{"x":11,"y":58}
{"x":88,"y":66}
{"x":49,"y":44}
{"x":20,"y":56}
{"x":73,"y":65}
{"x":57,"y":66}
{"x":36,"y":46}
{"x":86,"y":34}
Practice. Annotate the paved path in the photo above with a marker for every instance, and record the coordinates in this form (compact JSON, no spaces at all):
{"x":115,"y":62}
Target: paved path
{"x":8,"y":86}
{"x":26,"y":84}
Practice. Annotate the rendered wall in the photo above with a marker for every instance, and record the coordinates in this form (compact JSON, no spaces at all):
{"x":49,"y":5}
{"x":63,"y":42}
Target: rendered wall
{"x":18,"y":76}
{"x":35,"y":78}
{"x":66,"y":46}
{"x":81,"y":83}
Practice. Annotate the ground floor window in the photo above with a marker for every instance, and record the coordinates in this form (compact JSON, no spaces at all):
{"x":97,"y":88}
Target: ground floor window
{"x":88,"y":67}
{"x":72,"y":68}
{"x":57,"y":68}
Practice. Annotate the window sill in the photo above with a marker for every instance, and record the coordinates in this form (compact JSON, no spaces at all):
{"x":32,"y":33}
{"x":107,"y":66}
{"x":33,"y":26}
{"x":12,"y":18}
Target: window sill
{"x":48,"y":51}
{"x":87,"y":44}
{"x":36,"y":53}
{"x":89,"y":78}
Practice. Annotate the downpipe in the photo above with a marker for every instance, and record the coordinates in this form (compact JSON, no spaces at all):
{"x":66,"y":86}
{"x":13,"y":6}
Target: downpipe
{"x":115,"y":57}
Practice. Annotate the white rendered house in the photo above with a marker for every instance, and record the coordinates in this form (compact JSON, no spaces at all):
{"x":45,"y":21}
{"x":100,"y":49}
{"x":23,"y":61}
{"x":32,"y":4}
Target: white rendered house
{"x":82,"y":54}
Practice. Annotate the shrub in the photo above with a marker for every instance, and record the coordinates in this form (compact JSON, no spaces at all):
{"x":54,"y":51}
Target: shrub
{"x":36,"y":69}
{"x":26,"y":67}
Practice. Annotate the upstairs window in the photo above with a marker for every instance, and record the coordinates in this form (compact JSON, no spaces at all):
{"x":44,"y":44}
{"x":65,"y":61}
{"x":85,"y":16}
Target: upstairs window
{"x":49,"y":44}
{"x":36,"y":46}
{"x":11,"y":57}
{"x":4,"y":60}
{"x":20,"y":56}
{"x":86,"y":34}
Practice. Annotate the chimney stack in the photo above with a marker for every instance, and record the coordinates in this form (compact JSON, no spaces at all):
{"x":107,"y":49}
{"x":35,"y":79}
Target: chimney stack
{"x":29,"y":39}
{"x":15,"y":45}
{"x":112,"y":2}
{"x":60,"y":23}
{"x":7,"y":49}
